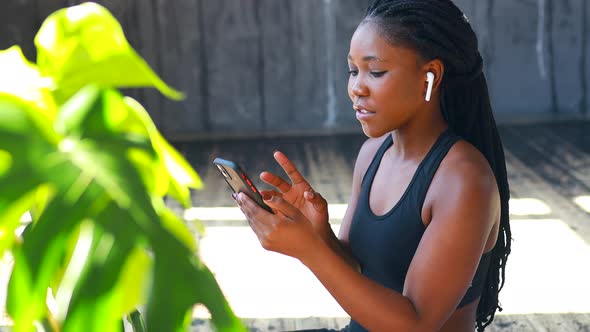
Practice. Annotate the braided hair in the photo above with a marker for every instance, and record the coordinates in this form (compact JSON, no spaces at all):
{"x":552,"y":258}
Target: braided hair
{"x":437,"y":29}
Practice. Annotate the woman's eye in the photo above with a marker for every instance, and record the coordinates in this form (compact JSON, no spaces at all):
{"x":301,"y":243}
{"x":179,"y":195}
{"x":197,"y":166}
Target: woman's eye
{"x":353,"y":72}
{"x":378,"y":73}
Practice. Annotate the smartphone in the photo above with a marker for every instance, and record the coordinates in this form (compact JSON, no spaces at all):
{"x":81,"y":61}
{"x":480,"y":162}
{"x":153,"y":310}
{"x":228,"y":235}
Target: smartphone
{"x":238,"y":181}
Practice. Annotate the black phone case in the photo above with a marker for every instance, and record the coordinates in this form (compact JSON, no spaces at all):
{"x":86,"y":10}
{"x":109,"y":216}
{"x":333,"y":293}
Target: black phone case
{"x":238,"y":181}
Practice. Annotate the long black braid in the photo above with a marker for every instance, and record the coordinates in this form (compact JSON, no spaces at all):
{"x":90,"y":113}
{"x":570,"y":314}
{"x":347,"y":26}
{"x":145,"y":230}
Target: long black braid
{"x":437,"y":29}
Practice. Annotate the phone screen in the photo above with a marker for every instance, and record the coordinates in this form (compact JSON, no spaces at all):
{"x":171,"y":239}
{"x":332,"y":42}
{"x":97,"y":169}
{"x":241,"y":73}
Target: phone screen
{"x":238,"y":181}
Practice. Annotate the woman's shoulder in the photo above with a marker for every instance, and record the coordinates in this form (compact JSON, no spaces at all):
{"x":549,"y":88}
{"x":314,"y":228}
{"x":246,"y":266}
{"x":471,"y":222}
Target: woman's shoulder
{"x":464,"y":156}
{"x":465,"y":165}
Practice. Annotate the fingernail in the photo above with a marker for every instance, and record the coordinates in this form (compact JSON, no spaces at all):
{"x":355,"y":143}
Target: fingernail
{"x":311,"y":195}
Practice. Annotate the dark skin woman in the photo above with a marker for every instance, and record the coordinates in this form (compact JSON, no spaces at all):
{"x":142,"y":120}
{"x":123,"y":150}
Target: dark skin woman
{"x":443,"y":271}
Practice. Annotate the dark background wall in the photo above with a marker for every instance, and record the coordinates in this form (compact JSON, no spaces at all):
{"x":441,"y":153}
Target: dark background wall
{"x":267,"y":67}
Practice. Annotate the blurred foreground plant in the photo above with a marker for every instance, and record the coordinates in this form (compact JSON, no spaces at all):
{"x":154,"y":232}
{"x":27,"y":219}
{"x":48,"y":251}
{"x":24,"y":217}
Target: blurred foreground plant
{"x":92,"y":169}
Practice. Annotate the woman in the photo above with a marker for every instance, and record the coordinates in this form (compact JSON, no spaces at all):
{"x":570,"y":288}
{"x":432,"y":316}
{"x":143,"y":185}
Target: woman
{"x":424,"y":242}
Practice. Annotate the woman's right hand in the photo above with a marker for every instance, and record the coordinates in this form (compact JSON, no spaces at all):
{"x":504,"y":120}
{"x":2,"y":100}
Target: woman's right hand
{"x":298,"y":193}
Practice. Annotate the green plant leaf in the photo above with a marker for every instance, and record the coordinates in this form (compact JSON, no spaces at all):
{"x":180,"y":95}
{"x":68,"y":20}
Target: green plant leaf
{"x":174,"y":224}
{"x":133,"y":281}
{"x":38,"y":259}
{"x":21,"y":144}
{"x":94,"y":304}
{"x":181,"y":175}
{"x":13,"y":204}
{"x":22,"y":79}
{"x":20,"y":120}
{"x":84,"y":45}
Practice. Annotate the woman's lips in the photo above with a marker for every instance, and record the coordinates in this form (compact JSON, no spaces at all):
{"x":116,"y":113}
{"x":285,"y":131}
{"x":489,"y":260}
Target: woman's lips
{"x":363,"y":114}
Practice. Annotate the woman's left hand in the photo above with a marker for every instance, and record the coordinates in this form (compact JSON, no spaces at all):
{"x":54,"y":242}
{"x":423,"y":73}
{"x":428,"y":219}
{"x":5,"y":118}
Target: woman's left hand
{"x":287,"y":231}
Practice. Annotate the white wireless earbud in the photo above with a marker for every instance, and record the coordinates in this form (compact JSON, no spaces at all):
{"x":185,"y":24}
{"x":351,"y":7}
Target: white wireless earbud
{"x":430,"y":80}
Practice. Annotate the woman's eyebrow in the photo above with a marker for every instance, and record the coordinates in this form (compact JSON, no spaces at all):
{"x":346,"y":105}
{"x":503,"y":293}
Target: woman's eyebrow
{"x":368,"y":58}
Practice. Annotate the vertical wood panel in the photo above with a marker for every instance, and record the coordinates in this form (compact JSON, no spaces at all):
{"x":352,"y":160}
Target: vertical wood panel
{"x":295,"y":65}
{"x":279,"y":63}
{"x":234,"y":68}
{"x":311,"y":65}
{"x":125,"y":13}
{"x":180,"y":44}
{"x":347,"y":15}
{"x":142,"y":32}
{"x":44,"y":8}
{"x":482,"y":21}
{"x":584,"y":58}
{"x":18,"y":26}
{"x":516,"y":60}
{"x":271,"y":67}
{"x":567,"y":43}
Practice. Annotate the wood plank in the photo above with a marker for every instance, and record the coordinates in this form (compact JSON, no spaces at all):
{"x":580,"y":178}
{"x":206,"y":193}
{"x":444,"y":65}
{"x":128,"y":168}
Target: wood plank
{"x":567,"y":43}
{"x":511,"y":323}
{"x":584,"y":58}
{"x":577,"y":135}
{"x":148,"y":45}
{"x":514,"y":51}
{"x":295,"y":66}
{"x":234,"y":68}
{"x":180,"y":42}
{"x":126,"y":12}
{"x":265,"y":324}
{"x":309,"y":154}
{"x":46,"y":7}
{"x":279,"y":72}
{"x":563,"y":162}
{"x":309,"y":323}
{"x":559,"y":323}
{"x":346,"y":15}
{"x":538,"y":181}
{"x":143,"y":34}
{"x":18,"y":26}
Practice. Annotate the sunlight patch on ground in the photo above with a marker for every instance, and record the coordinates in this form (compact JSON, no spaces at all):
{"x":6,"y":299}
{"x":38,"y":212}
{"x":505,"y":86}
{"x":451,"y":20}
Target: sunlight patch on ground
{"x":518,"y":207}
{"x":583,"y":202}
{"x":263,"y":284}
{"x":547,"y":273}
{"x":528,"y":207}
{"x":336,"y":211}
{"x":548,"y":269}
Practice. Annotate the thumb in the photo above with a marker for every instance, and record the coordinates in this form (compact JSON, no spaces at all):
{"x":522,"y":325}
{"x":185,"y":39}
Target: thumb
{"x":318,"y":202}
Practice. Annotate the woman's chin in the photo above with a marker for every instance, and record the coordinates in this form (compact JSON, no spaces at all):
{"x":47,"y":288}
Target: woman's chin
{"x":372,"y":132}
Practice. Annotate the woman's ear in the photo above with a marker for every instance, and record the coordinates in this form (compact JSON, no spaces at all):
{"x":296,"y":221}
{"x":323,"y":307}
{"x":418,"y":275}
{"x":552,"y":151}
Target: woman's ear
{"x":437,"y":69}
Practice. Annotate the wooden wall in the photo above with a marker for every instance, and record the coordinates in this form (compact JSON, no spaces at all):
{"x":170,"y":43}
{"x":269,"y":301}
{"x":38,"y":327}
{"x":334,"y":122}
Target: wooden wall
{"x":268,"y":67}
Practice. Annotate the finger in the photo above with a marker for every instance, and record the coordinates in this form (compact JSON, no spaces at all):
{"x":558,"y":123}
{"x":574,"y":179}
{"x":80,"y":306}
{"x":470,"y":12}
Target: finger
{"x":258,"y":225}
{"x":317,"y":201}
{"x":289,"y":168}
{"x":270,"y":193}
{"x":275,"y":181}
{"x":283,"y":207}
{"x":254,"y":227}
{"x":252,"y":210}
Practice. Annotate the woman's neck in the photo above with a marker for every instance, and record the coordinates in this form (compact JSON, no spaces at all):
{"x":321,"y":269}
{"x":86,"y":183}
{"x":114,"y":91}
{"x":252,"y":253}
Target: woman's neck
{"x":414,"y":139}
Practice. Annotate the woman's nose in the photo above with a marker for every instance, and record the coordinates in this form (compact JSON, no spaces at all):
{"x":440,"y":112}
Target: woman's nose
{"x":358,"y":88}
